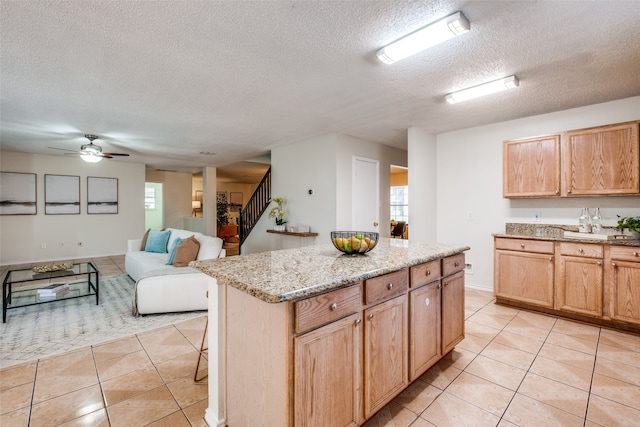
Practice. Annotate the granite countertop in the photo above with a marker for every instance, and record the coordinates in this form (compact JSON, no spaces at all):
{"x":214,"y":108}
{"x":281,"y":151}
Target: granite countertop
{"x":555,"y":232}
{"x":288,"y":274}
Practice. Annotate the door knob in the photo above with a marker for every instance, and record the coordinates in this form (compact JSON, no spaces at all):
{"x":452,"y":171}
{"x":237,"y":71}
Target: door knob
{"x":375,"y":224}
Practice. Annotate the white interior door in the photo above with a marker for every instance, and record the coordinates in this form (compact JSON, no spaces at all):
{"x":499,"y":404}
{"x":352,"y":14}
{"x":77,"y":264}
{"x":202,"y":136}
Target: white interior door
{"x":365,"y":197}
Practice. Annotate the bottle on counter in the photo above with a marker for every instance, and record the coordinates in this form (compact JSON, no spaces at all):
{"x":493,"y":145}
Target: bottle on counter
{"x":584,"y":222}
{"x":596,"y":222}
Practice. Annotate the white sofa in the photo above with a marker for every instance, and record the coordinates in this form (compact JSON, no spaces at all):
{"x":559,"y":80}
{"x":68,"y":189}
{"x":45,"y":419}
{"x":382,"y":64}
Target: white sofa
{"x":162,"y":288}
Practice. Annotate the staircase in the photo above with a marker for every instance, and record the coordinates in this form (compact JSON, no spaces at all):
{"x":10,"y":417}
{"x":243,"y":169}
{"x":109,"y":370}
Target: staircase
{"x":248,"y":216}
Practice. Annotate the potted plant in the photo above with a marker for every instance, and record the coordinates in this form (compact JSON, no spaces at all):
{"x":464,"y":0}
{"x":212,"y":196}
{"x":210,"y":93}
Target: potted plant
{"x":278,"y":213}
{"x":629,"y":225}
{"x":222,"y":211}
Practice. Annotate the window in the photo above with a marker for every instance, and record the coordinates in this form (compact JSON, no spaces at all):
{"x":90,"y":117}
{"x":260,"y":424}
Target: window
{"x":149,"y":198}
{"x":400,"y":203}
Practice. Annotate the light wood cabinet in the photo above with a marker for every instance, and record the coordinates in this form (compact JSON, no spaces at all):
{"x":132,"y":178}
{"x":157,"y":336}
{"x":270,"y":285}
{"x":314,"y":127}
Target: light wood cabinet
{"x":425,"y":326}
{"x":452,"y":311}
{"x":524,"y":271}
{"x":531,"y":167}
{"x":602,"y":161}
{"x":385,"y":353}
{"x":599,"y":161}
{"x":579,"y":283}
{"x":624,"y":284}
{"x":329,"y":359}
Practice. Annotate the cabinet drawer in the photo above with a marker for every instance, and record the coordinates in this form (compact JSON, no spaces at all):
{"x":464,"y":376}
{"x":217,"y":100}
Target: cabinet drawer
{"x":452,"y":264}
{"x":625,"y":253}
{"x":321,"y":309}
{"x":581,"y":249}
{"x":538,"y":246}
{"x":424,"y":273}
{"x":386,"y":286}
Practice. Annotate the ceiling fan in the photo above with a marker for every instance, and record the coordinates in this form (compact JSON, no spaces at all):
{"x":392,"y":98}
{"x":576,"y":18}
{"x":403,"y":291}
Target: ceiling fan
{"x":90,"y":152}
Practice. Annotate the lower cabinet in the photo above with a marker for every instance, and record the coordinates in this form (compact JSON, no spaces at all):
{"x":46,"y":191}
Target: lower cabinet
{"x":326,"y":360}
{"x":385,"y":353}
{"x":425,"y":325}
{"x":579,"y":281}
{"x":624,"y":284}
{"x":452,"y":311}
{"x":524,"y":271}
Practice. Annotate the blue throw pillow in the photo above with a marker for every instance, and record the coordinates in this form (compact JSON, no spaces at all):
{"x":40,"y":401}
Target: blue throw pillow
{"x":157,"y":241}
{"x":173,"y":250}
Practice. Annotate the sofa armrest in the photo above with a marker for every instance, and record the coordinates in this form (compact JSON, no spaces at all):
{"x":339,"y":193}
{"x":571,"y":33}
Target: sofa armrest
{"x":223,"y":253}
{"x":134,"y":245}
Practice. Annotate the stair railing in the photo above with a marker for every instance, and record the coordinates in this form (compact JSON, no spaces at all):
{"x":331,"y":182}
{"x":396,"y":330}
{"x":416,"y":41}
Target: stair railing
{"x":249,"y":215}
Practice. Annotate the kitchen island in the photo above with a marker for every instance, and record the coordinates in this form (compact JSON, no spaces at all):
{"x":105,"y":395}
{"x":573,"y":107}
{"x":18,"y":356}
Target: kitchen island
{"x":310,"y":336}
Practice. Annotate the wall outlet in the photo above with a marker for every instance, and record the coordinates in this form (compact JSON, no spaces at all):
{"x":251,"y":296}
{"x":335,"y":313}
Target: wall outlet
{"x":468,"y":268}
{"x":43,"y":245}
{"x":80,"y":244}
{"x":537,"y":216}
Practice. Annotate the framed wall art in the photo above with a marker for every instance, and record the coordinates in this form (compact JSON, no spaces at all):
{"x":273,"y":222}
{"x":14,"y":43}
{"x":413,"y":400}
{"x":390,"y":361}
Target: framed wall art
{"x":102,"y":195}
{"x":61,"y":195}
{"x":17,"y":193}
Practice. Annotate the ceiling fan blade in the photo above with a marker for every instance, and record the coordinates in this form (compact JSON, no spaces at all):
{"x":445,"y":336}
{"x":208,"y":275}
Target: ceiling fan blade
{"x":63,"y":149}
{"x":104,"y":155}
{"x":116,"y":154}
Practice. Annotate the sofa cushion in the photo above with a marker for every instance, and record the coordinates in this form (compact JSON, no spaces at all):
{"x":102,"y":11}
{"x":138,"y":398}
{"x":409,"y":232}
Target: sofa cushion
{"x":182,"y":234}
{"x":210,"y":247}
{"x":144,"y":239}
{"x":186,"y":252}
{"x":157,"y":241}
{"x":172,"y":251}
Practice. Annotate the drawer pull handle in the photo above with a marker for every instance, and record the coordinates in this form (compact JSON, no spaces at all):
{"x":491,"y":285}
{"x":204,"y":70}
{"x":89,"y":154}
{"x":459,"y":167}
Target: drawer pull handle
{"x":370,"y":316}
{"x":550,"y":258}
{"x":568,"y":191}
{"x":522,"y":245}
{"x":358,"y":321}
{"x":428,"y":273}
{"x":439,"y":285}
{"x":581,"y":250}
{"x":456,"y":264}
{"x":390,"y":286}
{"x":635,"y":254}
{"x":334,"y":307}
{"x":614,"y":265}
{"x":557,"y":192}
{"x":598,"y":263}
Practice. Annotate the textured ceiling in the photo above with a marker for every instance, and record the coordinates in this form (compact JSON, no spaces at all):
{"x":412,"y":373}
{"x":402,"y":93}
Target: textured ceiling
{"x":168,"y":80}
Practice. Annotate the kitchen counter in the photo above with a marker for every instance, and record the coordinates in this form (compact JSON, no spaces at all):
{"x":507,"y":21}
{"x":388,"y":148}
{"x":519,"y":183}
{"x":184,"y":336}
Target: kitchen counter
{"x":552,"y":232}
{"x":289,"y":274}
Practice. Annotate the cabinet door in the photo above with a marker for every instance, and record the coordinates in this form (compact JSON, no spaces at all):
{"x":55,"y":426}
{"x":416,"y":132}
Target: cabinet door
{"x":601,"y":161}
{"x":327,"y":379}
{"x":531,"y":167}
{"x":452,"y":311}
{"x":525,"y":277}
{"x":625,"y":291}
{"x":424,"y":329}
{"x":579,"y":285}
{"x":385,"y":353}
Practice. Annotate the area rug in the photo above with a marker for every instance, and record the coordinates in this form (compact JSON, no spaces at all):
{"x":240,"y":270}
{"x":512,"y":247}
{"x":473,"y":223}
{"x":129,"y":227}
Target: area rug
{"x":43,"y":330}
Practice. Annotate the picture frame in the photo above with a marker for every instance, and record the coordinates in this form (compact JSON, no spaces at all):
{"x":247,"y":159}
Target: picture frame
{"x":18,"y":194}
{"x":102,"y":195}
{"x":61,"y":194}
{"x":235,"y":201}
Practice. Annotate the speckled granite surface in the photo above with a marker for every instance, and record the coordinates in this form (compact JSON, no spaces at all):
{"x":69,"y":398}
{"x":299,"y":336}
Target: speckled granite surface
{"x":555,"y":232}
{"x":288,"y":274}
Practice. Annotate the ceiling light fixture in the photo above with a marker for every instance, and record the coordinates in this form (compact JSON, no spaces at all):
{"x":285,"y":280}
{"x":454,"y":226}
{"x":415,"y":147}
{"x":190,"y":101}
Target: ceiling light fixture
{"x":483,"y":89}
{"x":90,"y":153}
{"x":438,"y":32}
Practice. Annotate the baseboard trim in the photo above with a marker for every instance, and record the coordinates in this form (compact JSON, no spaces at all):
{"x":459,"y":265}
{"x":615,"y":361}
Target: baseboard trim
{"x":212,"y":420}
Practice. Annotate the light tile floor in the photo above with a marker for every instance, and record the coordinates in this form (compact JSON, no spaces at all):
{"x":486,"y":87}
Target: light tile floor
{"x":514,"y":368}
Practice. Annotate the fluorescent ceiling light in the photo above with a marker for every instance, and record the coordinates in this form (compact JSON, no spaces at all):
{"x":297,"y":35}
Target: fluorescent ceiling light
{"x":442,"y":30}
{"x":483,"y":89}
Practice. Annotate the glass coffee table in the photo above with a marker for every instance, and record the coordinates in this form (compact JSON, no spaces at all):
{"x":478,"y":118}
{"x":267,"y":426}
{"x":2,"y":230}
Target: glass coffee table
{"x":21,"y":288}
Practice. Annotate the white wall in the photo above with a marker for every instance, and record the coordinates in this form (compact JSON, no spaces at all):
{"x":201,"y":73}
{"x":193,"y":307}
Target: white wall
{"x":423,"y":185}
{"x":469,"y":177}
{"x":100,"y":234}
{"x":323,"y":164}
{"x":177,"y":196}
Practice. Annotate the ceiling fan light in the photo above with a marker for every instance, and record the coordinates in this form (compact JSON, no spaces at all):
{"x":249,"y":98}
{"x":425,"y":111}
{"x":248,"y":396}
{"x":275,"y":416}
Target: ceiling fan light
{"x":90,"y":157}
{"x":483,"y":89}
{"x":431,"y":35}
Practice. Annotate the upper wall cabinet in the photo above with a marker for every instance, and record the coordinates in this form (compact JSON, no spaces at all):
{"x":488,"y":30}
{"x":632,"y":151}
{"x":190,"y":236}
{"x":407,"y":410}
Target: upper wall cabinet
{"x":601,"y":161}
{"x":531,"y":167}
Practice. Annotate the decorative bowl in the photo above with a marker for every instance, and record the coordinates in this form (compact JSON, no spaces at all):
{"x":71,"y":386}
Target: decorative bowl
{"x":354,"y":242}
